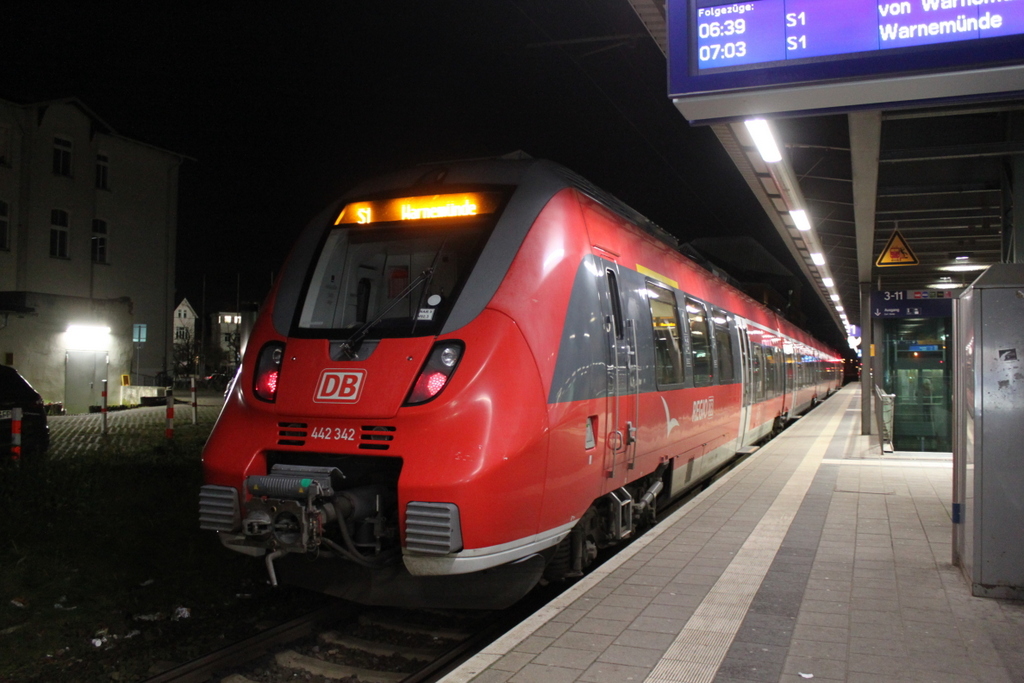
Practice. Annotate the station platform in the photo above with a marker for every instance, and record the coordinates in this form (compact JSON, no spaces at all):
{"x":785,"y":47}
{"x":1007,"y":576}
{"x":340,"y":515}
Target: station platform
{"x":816,"y":558}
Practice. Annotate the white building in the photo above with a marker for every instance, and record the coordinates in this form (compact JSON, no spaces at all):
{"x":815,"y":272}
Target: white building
{"x":88,"y":221}
{"x":225,"y":340}
{"x":186,"y":341}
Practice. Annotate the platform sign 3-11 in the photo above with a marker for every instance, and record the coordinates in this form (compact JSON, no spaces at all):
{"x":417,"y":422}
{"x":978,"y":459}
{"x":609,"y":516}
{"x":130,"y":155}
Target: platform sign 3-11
{"x":913,"y":303}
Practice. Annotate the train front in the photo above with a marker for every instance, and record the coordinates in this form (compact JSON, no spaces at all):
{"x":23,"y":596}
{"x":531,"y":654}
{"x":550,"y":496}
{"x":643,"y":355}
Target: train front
{"x":363,"y":450}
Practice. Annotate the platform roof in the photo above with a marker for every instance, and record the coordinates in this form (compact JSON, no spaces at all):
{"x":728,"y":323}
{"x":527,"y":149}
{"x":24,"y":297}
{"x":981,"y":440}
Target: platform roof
{"x":941,"y":175}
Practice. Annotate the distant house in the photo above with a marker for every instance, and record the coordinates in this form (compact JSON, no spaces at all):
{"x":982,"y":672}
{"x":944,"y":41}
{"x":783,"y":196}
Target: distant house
{"x":225,"y":340}
{"x":88,"y":221}
{"x":186,"y":341}
{"x":229,"y":332}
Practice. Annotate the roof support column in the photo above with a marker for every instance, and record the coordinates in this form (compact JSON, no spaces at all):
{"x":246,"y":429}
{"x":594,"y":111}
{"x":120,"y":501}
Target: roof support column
{"x":1015,"y":252}
{"x":865,"y":142}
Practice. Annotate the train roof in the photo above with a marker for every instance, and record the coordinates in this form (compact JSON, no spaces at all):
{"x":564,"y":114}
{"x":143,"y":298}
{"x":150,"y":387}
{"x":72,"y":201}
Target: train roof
{"x":537,"y":181}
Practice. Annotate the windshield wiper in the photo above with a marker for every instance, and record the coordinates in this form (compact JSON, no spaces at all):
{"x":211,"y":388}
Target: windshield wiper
{"x":348,"y":346}
{"x":357,"y":337}
{"x":426,"y":283}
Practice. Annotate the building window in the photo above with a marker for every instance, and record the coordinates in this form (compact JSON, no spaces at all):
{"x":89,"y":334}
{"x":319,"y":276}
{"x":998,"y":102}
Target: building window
{"x":102,"y":168}
{"x":59,"y":233}
{"x":99,"y":241}
{"x":62,"y":157}
{"x":5,"y":229}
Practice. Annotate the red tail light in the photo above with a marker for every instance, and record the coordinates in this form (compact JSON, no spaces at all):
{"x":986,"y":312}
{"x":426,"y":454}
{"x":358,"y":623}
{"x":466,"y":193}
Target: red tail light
{"x":268,"y":371}
{"x":436,"y":372}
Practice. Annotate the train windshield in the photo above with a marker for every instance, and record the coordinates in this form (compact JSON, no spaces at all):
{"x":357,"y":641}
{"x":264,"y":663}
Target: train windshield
{"x":398,"y":277}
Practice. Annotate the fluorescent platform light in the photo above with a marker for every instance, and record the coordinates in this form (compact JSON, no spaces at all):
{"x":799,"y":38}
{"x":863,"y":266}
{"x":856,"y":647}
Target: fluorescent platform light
{"x":828,"y":282}
{"x":964,"y":268}
{"x":764,"y":140}
{"x":803,"y":224}
{"x":817,"y":258}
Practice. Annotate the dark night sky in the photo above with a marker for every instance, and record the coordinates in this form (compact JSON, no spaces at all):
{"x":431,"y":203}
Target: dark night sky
{"x":286,"y":105}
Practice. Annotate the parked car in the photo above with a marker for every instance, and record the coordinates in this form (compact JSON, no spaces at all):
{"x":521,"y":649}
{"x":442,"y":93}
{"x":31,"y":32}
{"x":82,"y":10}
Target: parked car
{"x":16,"y":392}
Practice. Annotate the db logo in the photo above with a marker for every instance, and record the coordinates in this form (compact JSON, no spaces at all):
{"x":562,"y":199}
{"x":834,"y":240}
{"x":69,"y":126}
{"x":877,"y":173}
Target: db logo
{"x":339,"y":386}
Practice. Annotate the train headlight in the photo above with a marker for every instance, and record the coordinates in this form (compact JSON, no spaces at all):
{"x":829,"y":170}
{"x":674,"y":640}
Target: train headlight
{"x":268,"y":371}
{"x":436,"y":372}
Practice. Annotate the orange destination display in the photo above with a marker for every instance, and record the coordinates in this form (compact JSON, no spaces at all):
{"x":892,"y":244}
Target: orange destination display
{"x":429,"y":207}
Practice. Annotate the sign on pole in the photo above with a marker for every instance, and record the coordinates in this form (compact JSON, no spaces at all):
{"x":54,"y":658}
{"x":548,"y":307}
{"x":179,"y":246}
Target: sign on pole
{"x":897,"y":252}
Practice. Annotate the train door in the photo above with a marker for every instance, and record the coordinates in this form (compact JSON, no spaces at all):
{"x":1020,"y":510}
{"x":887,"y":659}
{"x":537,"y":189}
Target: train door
{"x":788,"y":392}
{"x":746,"y":375}
{"x":623,"y":383}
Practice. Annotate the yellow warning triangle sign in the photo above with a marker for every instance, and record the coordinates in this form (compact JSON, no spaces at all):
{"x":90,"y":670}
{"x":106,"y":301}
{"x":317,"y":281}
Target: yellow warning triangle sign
{"x":897,"y":252}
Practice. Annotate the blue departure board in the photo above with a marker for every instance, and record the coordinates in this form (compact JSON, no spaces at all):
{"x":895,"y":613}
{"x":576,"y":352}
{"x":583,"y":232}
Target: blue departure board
{"x":762,"y":31}
{"x":716,"y":46}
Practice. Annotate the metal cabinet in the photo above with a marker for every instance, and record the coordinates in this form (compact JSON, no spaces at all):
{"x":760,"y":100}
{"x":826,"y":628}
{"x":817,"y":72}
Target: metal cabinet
{"x":988,"y":449}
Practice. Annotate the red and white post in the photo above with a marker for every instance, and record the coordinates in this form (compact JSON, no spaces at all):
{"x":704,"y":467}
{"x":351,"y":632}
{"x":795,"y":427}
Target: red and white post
{"x":16,"y":417}
{"x":195,"y":405}
{"x":169,"y":432}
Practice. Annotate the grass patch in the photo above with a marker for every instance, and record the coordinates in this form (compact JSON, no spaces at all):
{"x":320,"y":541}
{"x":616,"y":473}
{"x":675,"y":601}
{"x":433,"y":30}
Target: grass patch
{"x":99,"y":551}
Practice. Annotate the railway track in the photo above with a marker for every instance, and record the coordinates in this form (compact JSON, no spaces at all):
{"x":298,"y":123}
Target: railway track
{"x":348,"y":642}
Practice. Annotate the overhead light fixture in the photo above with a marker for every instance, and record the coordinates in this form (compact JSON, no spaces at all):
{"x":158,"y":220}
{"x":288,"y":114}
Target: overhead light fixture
{"x":764,"y":140}
{"x":960,"y":255}
{"x":803,"y":224}
{"x":87,"y":337}
{"x":835,"y":297}
{"x":944,"y":285}
{"x":828,"y":282}
{"x":964,"y":268}
{"x":840,"y":309}
{"x":817,"y":258}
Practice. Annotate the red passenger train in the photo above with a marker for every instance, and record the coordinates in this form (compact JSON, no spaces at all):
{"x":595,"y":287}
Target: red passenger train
{"x":470,"y":377}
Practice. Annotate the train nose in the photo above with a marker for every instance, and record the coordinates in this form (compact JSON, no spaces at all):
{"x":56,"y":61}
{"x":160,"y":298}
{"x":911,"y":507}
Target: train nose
{"x":373,"y":386}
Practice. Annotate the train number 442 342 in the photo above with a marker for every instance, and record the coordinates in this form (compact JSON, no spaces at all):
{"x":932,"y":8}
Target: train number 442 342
{"x":333,"y":433}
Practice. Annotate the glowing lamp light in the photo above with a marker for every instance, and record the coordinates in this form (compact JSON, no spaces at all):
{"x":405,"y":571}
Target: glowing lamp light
{"x":799,"y":216}
{"x":964,"y":268}
{"x":87,"y":337}
{"x":270,"y":382}
{"x":828,"y":282}
{"x":817,"y":258}
{"x":764,"y":140}
{"x":436,"y":372}
{"x":268,"y":371}
{"x":434,"y":383}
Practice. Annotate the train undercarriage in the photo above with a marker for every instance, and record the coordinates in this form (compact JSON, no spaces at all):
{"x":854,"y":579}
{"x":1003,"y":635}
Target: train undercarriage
{"x":333,"y":527}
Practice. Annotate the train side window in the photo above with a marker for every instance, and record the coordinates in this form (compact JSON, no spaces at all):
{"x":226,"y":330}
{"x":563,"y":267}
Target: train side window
{"x":723,"y":345}
{"x":779,"y":368}
{"x":668,"y":343}
{"x":769,"y":372}
{"x":757,"y":368}
{"x":613,"y":294}
{"x":700,"y":344}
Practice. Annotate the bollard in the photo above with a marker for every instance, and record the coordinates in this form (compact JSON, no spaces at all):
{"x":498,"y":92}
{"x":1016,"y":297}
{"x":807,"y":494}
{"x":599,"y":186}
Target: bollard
{"x":195,"y":406}
{"x":169,"y":433}
{"x":16,"y":417}
{"x":103,"y":406}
